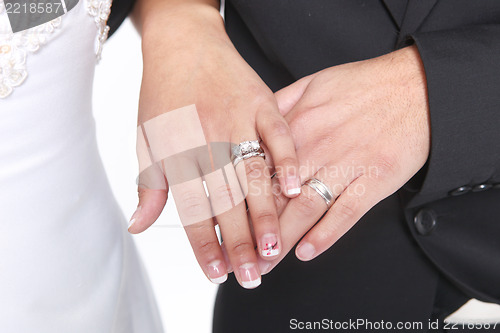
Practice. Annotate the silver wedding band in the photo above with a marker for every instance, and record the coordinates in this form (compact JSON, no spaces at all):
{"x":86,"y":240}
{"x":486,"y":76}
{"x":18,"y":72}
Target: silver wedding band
{"x":245,"y":150}
{"x":322,"y":190}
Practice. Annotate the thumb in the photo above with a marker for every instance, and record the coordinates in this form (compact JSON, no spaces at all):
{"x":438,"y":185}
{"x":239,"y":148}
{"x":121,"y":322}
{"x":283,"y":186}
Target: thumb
{"x":151,"y":204}
{"x":289,"y":96}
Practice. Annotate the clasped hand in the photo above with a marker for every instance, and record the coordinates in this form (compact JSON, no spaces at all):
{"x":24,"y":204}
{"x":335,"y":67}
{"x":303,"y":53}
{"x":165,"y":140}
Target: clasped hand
{"x":361,"y":129}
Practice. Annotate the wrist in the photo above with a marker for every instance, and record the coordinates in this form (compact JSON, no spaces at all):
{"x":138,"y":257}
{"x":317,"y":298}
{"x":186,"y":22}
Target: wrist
{"x":411,"y":61}
{"x":180,"y":25}
{"x":416,"y":82}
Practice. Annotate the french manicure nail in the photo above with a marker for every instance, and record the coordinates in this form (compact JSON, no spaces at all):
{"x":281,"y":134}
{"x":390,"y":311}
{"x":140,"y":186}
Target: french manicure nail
{"x":306,"y":251}
{"x":249,"y":275}
{"x":292,"y":185}
{"x":269,"y":245}
{"x":216,"y":271}
{"x":134,"y":217}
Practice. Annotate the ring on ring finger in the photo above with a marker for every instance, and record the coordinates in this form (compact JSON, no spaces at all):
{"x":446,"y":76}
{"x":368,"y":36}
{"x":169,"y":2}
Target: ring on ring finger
{"x":322,"y":189}
{"x":245,"y":150}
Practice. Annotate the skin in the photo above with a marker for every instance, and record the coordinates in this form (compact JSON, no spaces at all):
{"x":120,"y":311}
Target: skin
{"x":363,"y":129}
{"x":189,"y":59}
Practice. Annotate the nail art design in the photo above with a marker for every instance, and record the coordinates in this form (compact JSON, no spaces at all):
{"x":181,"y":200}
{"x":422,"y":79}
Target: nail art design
{"x":271,"y":249}
{"x":270,"y":245}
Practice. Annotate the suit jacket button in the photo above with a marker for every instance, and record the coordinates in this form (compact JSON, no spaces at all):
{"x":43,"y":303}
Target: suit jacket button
{"x":461,"y":190}
{"x":481,"y":187}
{"x":425,"y":221}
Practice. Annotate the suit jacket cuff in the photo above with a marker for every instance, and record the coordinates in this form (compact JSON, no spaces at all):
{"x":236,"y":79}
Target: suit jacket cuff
{"x":462,"y":67}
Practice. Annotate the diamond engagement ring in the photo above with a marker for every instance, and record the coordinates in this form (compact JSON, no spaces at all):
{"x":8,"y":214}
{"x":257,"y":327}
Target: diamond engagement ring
{"x":245,"y":150}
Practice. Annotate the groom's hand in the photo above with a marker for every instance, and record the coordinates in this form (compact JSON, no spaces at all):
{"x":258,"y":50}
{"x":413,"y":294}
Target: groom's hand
{"x":362,"y":129}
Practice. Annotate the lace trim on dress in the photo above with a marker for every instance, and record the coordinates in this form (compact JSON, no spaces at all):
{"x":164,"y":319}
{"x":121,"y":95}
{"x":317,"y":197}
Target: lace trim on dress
{"x":14,"y":48}
{"x":100,"y":10}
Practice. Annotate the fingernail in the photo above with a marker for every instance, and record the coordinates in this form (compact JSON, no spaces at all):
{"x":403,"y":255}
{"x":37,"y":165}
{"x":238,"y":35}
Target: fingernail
{"x":292,"y":185}
{"x":134,"y":217}
{"x":249,"y":275}
{"x":216,"y":271}
{"x":264,"y":266}
{"x":269,"y":245}
{"x":305,"y":251}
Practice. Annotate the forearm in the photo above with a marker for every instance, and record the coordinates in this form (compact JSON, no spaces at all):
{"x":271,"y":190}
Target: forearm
{"x":178,"y":32}
{"x":152,"y":17}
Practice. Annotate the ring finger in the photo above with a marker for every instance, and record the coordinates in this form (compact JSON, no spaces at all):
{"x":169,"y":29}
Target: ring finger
{"x":259,"y":195}
{"x":303,"y":212}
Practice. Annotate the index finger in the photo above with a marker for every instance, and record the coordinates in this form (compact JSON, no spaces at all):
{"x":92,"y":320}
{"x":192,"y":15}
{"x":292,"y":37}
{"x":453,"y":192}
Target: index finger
{"x":276,"y":135}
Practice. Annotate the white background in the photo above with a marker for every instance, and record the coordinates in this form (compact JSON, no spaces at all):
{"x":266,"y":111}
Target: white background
{"x":184,"y":295}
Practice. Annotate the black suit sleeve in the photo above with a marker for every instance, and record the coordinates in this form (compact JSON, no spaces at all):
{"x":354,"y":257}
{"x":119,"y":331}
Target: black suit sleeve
{"x":459,"y":229}
{"x":119,"y":12}
{"x":463,"y":78}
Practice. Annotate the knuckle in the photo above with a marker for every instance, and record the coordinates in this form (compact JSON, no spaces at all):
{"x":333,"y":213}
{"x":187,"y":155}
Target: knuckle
{"x":278,"y":128}
{"x":192,"y":203}
{"x":346,"y":211}
{"x":222,"y":193}
{"x":306,"y":204}
{"x":199,"y":237}
{"x":386,"y":166}
{"x":265,"y":217}
{"x":240,"y":247}
{"x":206,"y":247}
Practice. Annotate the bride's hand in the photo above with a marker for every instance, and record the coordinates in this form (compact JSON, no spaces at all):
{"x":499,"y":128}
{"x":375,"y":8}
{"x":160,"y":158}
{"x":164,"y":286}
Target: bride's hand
{"x":194,"y":76}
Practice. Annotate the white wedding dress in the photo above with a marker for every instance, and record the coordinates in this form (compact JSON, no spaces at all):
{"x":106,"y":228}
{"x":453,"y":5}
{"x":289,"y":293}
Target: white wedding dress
{"x":67,"y":262}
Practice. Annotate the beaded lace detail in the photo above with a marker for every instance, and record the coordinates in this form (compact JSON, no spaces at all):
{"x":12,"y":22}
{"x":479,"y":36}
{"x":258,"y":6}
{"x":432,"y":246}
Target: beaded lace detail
{"x":100,"y":10}
{"x":15,"y":48}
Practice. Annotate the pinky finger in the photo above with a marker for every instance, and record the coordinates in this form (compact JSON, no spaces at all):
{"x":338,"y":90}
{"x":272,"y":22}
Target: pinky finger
{"x":356,"y":200}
